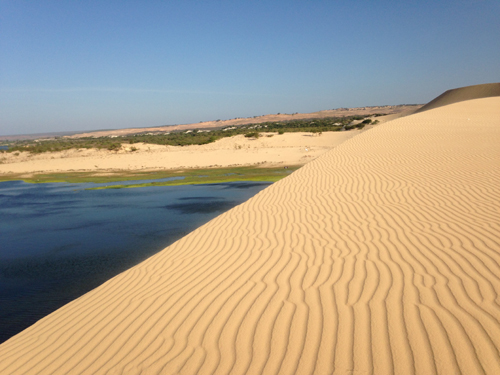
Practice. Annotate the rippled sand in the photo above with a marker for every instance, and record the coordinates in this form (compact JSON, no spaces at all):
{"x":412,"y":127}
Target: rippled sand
{"x":382,"y":256}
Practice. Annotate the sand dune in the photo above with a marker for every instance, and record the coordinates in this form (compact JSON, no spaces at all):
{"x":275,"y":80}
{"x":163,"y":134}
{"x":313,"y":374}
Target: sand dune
{"x":382,"y":256}
{"x":460,"y":94}
{"x":286,"y":149}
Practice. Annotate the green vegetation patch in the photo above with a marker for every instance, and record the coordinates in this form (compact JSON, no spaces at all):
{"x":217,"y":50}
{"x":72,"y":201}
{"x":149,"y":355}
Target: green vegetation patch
{"x":189,"y":137}
{"x":191,"y":176}
{"x":214,"y":176}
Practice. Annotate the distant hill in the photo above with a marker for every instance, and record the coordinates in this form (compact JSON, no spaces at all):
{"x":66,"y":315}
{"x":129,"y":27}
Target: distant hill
{"x":339,"y":112}
{"x":461,"y":94}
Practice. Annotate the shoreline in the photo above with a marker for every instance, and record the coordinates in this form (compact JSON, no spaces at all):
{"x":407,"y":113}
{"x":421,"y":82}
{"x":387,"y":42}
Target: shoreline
{"x":63,"y":241}
{"x":190,"y":176}
{"x":269,"y":151}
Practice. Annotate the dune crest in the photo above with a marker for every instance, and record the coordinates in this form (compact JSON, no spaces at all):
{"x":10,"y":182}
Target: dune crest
{"x":382,"y":256}
{"x":461,"y":94}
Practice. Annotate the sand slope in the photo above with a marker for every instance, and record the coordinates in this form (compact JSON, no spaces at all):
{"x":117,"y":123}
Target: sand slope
{"x":382,"y":256}
{"x":460,"y":94}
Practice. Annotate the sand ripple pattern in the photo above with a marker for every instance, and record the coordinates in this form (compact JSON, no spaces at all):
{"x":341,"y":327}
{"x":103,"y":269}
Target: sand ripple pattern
{"x":380,"y":257}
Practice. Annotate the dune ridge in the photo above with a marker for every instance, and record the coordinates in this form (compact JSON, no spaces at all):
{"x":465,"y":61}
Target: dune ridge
{"x":461,"y":94}
{"x":382,"y":256}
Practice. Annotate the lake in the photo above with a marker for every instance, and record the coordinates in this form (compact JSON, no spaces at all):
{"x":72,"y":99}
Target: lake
{"x":59,"y":241}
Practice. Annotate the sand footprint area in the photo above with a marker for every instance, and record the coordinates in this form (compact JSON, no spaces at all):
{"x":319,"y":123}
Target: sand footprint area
{"x":381,"y":256}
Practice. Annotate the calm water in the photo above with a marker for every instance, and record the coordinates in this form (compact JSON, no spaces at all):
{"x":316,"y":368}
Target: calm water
{"x":58,"y":241}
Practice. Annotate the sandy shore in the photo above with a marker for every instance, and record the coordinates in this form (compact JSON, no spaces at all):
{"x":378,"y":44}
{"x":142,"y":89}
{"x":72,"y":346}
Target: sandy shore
{"x":382,"y":256}
{"x":270,"y":150}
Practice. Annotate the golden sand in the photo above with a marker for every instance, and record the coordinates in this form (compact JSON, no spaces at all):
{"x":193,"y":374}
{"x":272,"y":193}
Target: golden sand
{"x":382,"y":256}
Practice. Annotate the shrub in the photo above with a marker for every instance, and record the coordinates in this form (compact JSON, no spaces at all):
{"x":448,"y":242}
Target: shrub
{"x":211,"y":139}
{"x":252,"y":135}
{"x":114,"y":146}
{"x":316,"y":131}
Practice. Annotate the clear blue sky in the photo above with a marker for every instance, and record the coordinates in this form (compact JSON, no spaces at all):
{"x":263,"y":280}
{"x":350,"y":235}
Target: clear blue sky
{"x":81,"y":65}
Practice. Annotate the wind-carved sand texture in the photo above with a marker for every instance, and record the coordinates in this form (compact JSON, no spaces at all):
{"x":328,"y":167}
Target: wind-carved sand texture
{"x":382,"y":256}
